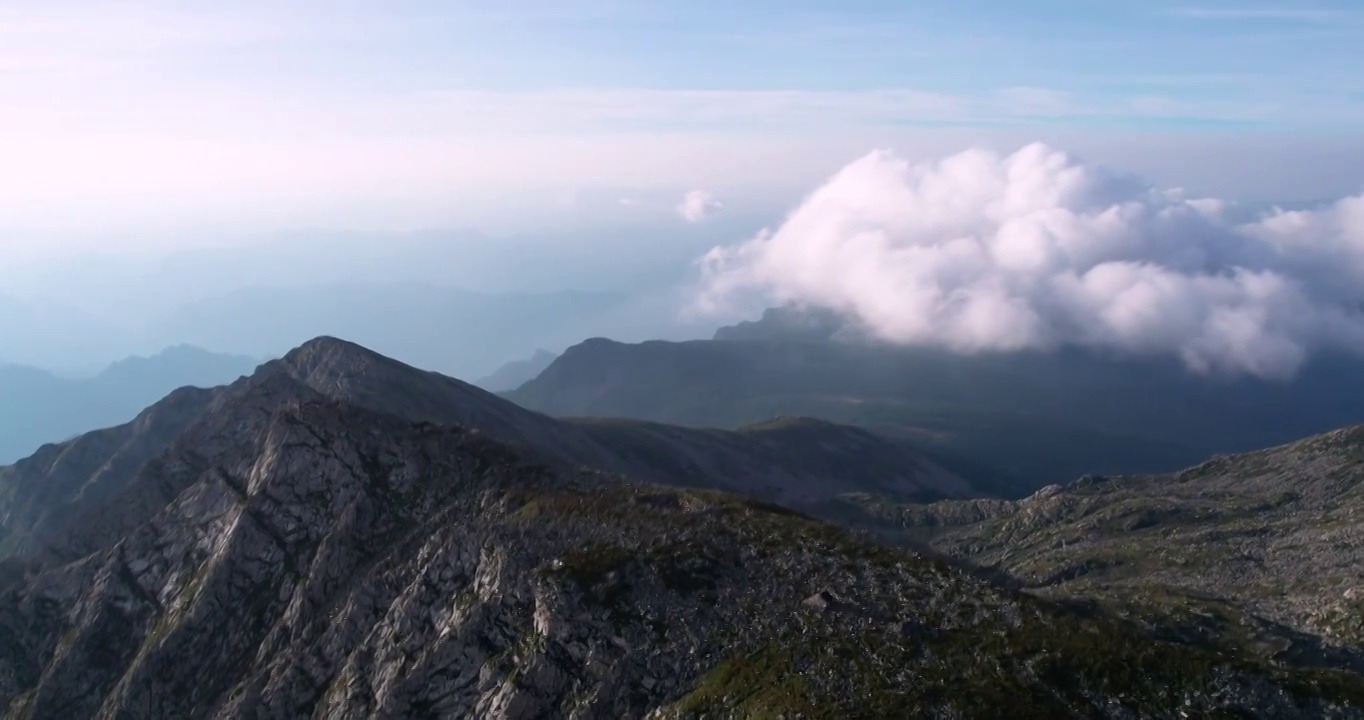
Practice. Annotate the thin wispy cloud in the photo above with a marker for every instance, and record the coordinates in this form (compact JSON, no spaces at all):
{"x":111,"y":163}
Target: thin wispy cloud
{"x":230,"y":114}
{"x":1193,"y":79}
{"x":1270,"y":14}
{"x":1032,"y":101}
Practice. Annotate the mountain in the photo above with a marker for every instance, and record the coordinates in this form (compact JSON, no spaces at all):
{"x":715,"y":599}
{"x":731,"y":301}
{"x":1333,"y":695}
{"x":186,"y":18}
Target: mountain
{"x":1040,"y":418}
{"x":37,"y":407}
{"x":795,"y":461}
{"x":456,"y":331}
{"x":290,"y":554}
{"x":517,"y":373}
{"x":1260,"y":550}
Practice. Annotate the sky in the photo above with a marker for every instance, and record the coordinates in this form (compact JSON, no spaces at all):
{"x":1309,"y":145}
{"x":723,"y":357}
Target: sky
{"x":156,"y":122}
{"x":158,"y":155}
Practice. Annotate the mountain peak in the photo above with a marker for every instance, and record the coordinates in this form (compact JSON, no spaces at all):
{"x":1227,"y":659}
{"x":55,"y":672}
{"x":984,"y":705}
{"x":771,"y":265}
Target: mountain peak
{"x":328,"y":345}
{"x":329,"y":364}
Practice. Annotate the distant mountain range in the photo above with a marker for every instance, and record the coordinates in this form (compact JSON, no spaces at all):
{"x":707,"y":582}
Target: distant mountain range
{"x":463,"y":333}
{"x":38,"y":407}
{"x":343,"y":535}
{"x":1036,"y":418}
{"x":461,"y":303}
{"x":517,"y":372}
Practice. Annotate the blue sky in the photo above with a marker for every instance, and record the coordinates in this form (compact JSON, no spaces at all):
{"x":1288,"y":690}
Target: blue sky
{"x":1278,"y":65}
{"x":158,"y":114}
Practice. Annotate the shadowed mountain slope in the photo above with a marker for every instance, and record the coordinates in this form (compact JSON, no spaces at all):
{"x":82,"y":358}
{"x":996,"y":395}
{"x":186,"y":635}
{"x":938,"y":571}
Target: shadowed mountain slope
{"x":1038,"y":418}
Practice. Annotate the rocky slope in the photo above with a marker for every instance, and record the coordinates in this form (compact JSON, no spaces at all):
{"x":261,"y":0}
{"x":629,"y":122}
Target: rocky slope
{"x":294,"y":556}
{"x":794,"y":461}
{"x":1264,"y":549}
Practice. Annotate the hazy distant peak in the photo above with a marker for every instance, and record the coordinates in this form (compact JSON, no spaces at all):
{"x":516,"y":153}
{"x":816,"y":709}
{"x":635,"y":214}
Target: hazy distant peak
{"x":793,"y":322}
{"x":592,"y":347}
{"x":598,"y":342}
{"x":516,"y":373}
{"x":183,"y":352}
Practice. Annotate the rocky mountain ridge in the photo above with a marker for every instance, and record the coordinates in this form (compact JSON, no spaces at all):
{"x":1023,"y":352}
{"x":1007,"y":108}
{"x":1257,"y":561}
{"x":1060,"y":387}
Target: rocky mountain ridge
{"x":343,"y":536}
{"x":794,"y":461}
{"x":298,"y":556}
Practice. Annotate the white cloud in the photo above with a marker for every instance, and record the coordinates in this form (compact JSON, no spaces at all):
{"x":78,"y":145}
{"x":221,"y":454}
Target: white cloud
{"x":1034,"y":250}
{"x":698,"y":206}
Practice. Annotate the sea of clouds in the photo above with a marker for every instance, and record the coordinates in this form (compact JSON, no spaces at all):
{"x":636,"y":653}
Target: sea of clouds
{"x":1037,"y":249}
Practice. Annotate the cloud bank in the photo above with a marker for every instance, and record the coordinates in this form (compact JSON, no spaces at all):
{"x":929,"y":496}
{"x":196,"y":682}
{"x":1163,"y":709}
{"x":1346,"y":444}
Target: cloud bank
{"x":1036,"y":250}
{"x":698,"y":206}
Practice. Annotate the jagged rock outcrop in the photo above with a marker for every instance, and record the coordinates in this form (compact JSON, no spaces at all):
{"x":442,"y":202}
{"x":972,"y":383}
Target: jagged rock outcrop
{"x":293,"y":556}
